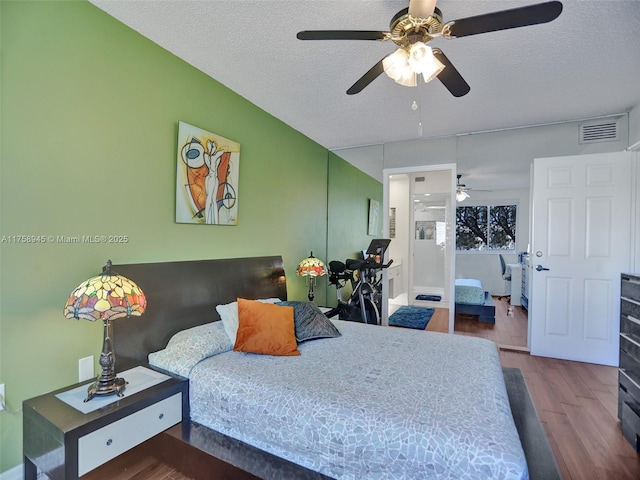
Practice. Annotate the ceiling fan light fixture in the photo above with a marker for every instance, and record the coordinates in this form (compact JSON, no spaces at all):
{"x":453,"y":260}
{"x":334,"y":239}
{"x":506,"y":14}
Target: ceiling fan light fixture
{"x":408,"y":79}
{"x":404,"y":65}
{"x":432,"y":69}
{"x":397,"y":67}
{"x":422,"y":60}
{"x":461,"y":195}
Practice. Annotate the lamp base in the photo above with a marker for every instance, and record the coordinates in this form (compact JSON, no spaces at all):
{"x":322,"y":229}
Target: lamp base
{"x":115,"y":385}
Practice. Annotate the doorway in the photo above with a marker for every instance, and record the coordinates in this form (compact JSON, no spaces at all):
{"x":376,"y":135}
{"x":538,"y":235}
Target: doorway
{"x":419,"y":218}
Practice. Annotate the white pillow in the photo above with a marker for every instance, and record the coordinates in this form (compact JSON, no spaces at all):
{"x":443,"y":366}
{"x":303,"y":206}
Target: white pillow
{"x":229,"y":316}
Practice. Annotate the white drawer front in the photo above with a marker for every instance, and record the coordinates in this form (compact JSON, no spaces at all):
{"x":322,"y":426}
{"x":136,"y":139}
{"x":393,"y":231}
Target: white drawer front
{"x":100,"y":446}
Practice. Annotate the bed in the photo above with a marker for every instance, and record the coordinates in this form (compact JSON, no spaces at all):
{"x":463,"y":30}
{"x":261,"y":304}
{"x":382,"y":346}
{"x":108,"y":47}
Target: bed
{"x":472,"y":299}
{"x":367,"y":403}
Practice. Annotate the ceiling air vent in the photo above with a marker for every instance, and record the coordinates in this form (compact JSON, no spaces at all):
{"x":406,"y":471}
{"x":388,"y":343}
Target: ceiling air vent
{"x":419,"y":179}
{"x":603,"y":131}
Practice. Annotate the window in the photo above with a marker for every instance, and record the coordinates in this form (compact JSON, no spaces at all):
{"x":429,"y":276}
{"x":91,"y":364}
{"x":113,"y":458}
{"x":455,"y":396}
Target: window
{"x":490,"y":227}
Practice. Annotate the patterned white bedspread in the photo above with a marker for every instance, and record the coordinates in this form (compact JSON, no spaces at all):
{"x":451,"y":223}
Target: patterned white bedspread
{"x":374,"y":403}
{"x":469,"y":291}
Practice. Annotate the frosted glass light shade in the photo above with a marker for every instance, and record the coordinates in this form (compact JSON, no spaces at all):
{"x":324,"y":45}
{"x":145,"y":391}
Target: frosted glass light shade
{"x":461,"y":196}
{"x":404,"y":64}
{"x":397,"y":67}
{"x":422,"y":60}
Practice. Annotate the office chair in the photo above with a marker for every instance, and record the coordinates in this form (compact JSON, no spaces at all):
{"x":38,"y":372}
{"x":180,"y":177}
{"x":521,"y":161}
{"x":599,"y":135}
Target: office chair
{"x":507,"y":278}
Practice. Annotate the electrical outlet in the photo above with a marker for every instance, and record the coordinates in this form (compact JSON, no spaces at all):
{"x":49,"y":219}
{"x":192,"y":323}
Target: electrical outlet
{"x":85,"y":368}
{"x":1,"y":397}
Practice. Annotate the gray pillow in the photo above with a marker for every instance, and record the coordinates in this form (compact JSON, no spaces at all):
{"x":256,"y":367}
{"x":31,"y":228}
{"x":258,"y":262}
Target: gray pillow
{"x":310,"y":322}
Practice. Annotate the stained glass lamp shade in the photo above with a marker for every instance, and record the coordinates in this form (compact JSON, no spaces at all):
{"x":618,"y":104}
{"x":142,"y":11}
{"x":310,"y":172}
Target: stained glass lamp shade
{"x":311,"y":267}
{"x":106,"y":297}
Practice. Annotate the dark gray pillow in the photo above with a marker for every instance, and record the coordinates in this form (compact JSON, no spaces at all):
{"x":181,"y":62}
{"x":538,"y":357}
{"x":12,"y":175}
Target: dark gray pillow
{"x":310,"y":322}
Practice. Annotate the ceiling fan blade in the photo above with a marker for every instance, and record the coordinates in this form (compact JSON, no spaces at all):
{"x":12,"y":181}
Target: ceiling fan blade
{"x":450,"y":77}
{"x":341,"y":35}
{"x":503,"y":20}
{"x":367,"y":78}
{"x":421,"y":8}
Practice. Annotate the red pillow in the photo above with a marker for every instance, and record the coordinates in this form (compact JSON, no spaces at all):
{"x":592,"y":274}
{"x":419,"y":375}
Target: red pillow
{"x":265,"y":328}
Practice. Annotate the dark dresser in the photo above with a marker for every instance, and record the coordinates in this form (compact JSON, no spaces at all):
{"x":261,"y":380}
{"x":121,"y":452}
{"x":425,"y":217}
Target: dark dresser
{"x":629,"y":371}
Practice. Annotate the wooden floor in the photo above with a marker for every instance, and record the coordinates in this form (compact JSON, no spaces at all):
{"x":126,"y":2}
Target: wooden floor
{"x":576,"y":403}
{"x":136,"y":464}
{"x":509,"y":330}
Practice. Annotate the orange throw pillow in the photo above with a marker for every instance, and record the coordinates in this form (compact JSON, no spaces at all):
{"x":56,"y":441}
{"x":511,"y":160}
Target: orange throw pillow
{"x":266,"y":329}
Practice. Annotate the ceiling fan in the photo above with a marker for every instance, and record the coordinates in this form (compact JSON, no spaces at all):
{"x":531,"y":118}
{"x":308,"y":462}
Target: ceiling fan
{"x":414,"y":27}
{"x":462,"y":191}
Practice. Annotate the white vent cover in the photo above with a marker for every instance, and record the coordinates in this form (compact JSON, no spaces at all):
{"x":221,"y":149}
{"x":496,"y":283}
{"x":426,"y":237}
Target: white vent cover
{"x":601,"y":131}
{"x":419,"y":179}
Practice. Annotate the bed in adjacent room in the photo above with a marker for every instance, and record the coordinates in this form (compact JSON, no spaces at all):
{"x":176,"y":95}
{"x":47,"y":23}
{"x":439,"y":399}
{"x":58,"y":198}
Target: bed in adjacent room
{"x":365,"y":402}
{"x":472,"y":299}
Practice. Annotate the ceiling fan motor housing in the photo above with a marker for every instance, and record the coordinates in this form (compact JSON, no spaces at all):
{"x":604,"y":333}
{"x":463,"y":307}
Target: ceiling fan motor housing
{"x":406,"y":30}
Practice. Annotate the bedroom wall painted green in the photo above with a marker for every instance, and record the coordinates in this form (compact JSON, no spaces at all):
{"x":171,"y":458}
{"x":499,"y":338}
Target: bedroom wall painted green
{"x":348,"y":211}
{"x":90,"y":112}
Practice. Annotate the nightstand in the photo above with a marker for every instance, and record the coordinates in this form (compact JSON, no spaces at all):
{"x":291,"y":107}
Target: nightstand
{"x":66,"y":442}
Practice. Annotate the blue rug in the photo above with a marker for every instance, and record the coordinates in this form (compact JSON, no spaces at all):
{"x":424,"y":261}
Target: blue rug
{"x":411,"y":317}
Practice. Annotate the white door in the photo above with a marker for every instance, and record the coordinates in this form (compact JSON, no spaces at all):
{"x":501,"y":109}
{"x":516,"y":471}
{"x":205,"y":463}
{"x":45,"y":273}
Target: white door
{"x":580,"y":246}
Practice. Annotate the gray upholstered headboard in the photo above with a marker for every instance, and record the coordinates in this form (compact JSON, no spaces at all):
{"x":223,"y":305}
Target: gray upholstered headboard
{"x":184,"y":294}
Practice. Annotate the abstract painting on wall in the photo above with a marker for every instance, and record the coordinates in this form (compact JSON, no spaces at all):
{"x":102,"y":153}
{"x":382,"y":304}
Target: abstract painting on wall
{"x":207,"y":177}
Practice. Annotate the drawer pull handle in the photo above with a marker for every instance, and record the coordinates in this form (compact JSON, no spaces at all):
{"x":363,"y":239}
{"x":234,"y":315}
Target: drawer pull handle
{"x":161,"y":416}
{"x":629,"y":339}
{"x":109,"y":442}
{"x":629,"y":378}
{"x":630,"y":300}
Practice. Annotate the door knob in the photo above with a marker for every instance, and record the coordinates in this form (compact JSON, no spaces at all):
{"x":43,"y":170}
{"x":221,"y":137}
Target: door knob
{"x":541,"y":268}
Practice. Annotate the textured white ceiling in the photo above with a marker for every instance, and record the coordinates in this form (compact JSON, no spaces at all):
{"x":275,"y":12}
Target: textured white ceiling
{"x":584,"y":64}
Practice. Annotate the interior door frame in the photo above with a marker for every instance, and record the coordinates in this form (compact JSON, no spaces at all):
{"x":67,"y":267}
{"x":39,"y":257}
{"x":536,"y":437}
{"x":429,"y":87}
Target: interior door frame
{"x":386,"y":173}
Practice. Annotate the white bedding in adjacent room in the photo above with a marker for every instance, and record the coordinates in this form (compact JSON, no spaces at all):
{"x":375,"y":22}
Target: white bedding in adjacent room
{"x":374,"y":403}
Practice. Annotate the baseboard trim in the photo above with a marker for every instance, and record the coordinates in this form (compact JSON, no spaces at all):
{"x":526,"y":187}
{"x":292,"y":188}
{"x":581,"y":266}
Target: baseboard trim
{"x":16,"y":473}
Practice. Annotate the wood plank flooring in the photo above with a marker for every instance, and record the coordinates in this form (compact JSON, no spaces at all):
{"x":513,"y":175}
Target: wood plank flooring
{"x":136,"y":464}
{"x":508,"y":330}
{"x":576,"y":403}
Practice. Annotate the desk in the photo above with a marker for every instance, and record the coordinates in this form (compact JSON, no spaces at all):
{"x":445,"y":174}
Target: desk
{"x":516,"y":282}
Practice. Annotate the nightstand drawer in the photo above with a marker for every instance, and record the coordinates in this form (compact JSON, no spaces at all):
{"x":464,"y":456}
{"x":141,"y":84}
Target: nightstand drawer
{"x":100,"y":446}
